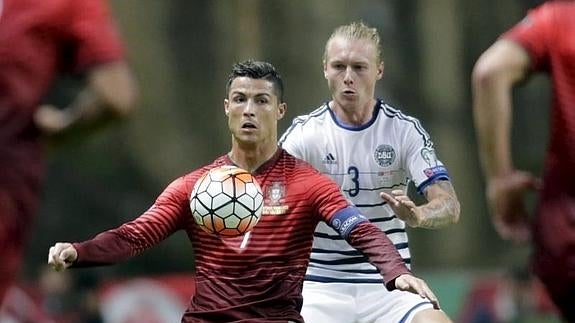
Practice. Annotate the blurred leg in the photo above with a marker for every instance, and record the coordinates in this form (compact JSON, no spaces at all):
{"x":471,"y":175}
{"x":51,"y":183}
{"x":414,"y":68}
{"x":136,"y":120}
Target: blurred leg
{"x":17,"y":205}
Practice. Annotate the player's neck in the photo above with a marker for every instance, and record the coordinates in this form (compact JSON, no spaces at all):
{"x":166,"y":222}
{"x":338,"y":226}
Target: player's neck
{"x":251,"y":158}
{"x":353,"y":115}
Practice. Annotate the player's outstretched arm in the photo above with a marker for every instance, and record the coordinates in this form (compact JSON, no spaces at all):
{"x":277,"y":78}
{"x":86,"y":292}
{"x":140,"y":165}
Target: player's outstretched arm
{"x":442,"y":208}
{"x":494,"y":76}
{"x":416,"y":285}
{"x":496,"y":72}
{"x":62,"y":255}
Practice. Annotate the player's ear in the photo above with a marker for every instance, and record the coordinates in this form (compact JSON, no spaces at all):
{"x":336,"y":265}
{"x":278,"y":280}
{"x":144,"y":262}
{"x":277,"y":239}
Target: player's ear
{"x":324,"y":69}
{"x":227,"y":106}
{"x":380,"y":70}
{"x":282,"y":107}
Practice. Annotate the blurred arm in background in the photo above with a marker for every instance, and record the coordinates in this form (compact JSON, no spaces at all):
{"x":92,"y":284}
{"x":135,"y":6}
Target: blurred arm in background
{"x":109,"y":93}
{"x":497,"y":71}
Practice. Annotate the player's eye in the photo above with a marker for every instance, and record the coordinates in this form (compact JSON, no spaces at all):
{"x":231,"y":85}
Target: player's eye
{"x":238,"y":99}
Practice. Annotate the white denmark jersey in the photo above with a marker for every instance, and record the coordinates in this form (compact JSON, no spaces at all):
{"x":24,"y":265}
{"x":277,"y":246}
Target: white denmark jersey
{"x":381,"y":155}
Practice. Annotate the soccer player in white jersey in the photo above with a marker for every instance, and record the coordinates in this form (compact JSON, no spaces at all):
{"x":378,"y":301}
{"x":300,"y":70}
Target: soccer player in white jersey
{"x":372,"y":150}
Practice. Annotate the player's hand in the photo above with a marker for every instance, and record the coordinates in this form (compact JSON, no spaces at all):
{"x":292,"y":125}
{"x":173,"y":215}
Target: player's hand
{"x":403,"y":207}
{"x":416,"y":285}
{"x":505,"y":196}
{"x":51,"y":120}
{"x":62,"y":255}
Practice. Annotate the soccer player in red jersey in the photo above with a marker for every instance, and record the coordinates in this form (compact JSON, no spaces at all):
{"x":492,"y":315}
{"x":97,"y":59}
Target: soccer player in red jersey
{"x":256,"y":277}
{"x":543,"y":42}
{"x":38,"y":41}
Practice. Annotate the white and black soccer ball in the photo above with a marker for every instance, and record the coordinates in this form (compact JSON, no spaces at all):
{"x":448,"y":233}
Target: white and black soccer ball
{"x":227,"y":201}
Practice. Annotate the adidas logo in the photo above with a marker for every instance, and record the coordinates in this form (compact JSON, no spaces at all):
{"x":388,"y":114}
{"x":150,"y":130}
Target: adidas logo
{"x":329,"y":159}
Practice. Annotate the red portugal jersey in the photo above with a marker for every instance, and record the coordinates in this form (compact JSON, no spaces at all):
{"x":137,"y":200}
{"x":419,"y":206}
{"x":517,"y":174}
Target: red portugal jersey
{"x":255,"y":278}
{"x":38,"y":40}
{"x":548,"y":35}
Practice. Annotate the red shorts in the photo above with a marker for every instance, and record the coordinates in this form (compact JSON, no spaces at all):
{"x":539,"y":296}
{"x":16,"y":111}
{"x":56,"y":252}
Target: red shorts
{"x":554,"y":257}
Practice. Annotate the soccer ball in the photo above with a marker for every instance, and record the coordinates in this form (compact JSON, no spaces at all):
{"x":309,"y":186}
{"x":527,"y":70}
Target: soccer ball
{"x":227,"y":201}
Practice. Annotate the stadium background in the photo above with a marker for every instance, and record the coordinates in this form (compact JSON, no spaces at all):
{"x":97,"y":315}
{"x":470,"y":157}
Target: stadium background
{"x":181,"y":52}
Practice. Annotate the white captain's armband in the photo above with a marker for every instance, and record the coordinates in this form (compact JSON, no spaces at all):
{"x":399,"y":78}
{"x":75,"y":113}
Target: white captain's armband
{"x":343,"y":221}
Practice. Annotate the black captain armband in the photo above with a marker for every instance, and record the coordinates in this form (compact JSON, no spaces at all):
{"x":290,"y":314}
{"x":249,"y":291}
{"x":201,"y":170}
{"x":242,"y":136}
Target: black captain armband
{"x":343,"y":221}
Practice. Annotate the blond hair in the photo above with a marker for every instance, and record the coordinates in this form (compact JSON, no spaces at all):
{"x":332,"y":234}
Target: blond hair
{"x":357,"y":30}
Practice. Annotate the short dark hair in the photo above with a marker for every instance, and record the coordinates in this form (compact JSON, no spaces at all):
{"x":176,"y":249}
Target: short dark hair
{"x":257,"y":70}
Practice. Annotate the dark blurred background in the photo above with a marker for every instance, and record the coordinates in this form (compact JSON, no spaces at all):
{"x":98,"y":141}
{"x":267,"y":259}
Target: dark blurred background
{"x":181,"y":52}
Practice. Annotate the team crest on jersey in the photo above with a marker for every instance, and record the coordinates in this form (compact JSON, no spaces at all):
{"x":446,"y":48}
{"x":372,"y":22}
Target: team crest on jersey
{"x":274,"y":198}
{"x":384,"y":155}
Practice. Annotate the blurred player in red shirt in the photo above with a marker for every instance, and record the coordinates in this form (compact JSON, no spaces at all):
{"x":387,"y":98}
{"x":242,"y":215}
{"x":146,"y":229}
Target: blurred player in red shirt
{"x":257,"y":277}
{"x":543,"y":42}
{"x":38,"y":41}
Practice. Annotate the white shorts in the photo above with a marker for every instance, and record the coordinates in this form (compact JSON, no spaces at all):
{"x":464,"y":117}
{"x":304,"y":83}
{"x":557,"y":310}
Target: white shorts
{"x":361,"y":303}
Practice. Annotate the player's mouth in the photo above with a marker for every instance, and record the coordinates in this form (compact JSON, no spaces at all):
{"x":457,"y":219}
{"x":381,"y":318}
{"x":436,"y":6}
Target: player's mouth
{"x":348,"y":93}
{"x":249,"y":126}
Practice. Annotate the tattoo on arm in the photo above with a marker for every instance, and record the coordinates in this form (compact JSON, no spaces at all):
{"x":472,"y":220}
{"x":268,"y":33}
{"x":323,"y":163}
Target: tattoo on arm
{"x":443,"y":207}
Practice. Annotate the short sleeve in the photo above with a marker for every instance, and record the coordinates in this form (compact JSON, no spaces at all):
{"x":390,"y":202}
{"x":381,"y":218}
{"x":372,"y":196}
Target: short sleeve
{"x":533,"y":33}
{"x":94,"y":33}
{"x":421,"y":159}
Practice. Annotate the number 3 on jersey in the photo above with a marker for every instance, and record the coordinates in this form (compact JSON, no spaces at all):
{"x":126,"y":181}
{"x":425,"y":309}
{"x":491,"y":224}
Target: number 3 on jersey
{"x":354,"y":176}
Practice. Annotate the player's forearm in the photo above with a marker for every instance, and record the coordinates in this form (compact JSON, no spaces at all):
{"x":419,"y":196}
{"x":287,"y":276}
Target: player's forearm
{"x":380,"y":251}
{"x":492,"y":113}
{"x":443,"y":207}
{"x":110,"y":94}
{"x":114,"y":87}
{"x":106,"y":248}
{"x":134,"y":237}
{"x":440,"y":213}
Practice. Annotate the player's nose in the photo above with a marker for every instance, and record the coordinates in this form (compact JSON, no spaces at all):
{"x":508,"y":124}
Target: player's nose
{"x":347,"y":77}
{"x":249,"y":108}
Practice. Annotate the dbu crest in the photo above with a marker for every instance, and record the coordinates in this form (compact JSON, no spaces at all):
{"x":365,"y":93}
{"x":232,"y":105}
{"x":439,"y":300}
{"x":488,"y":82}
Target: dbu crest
{"x":384,"y":155}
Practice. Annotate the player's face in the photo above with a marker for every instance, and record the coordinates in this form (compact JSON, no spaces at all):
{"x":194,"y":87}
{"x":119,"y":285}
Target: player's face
{"x":351,"y":69}
{"x":253,"y":110}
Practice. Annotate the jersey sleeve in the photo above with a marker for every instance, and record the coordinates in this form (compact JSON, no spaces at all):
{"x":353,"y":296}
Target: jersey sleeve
{"x":325,"y":196}
{"x":533,"y":34}
{"x":420,"y":159}
{"x":94,"y":34}
{"x":379,"y":250}
{"x":167,"y":215}
{"x":292,"y":139}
